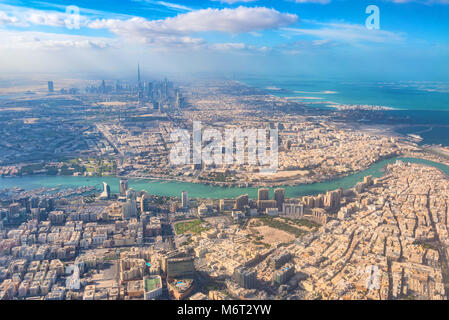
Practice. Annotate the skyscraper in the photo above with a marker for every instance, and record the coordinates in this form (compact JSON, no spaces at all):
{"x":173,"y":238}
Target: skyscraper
{"x":123,"y":187}
{"x":51,"y":87}
{"x":263,"y":194}
{"x":129,"y":209}
{"x":184,"y":200}
{"x":139,"y":84}
{"x":279,"y":196}
{"x":106,"y":194}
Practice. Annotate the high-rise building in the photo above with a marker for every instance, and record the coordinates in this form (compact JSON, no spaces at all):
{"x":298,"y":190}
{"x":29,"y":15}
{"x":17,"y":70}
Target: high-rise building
{"x":178,"y":265}
{"x":131,"y":194}
{"x":14,"y":211}
{"x":139,"y":86}
{"x":129,"y":209}
{"x":284,"y":274}
{"x":263,"y":194}
{"x":241,"y":202}
{"x":262,"y":205}
{"x":51,"y":87}
{"x":106,"y":194}
{"x":185,"y":200}
{"x":226,"y":204}
{"x":34,"y":202}
{"x":245,"y":278}
{"x":103,"y":86}
{"x":294,"y":210}
{"x":333,"y":198}
{"x":50,"y":204}
{"x":123,"y":187}
{"x":144,"y":202}
{"x":279,"y":196}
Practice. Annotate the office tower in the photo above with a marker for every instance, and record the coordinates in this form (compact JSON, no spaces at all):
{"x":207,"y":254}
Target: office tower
{"x":139,"y":85}
{"x":144,"y":202}
{"x":43,"y":204}
{"x":25,"y":203}
{"x":118,"y":88}
{"x":50,"y":204}
{"x":131,"y":195}
{"x":106,"y":194}
{"x":279,"y":196}
{"x":129,"y":209}
{"x":241,"y":202}
{"x":284,"y":274}
{"x":51,"y":87}
{"x":14,"y":211}
{"x":123,"y":187}
{"x":184,"y":200}
{"x":263,"y":194}
{"x":226,"y":204}
{"x":103,"y":87}
{"x":245,"y":278}
{"x":333,"y":198}
{"x":34,"y":202}
{"x":178,"y":265}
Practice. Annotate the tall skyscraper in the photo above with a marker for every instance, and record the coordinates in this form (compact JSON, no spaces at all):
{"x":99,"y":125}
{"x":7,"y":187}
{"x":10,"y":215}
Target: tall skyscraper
{"x":123,"y":187}
{"x":51,"y":87}
{"x":129,"y":209}
{"x":263,"y":194}
{"x":144,"y":201}
{"x":139,"y":85}
{"x":184,"y":200}
{"x":103,"y":87}
{"x":106,"y":194}
{"x":279,"y":196}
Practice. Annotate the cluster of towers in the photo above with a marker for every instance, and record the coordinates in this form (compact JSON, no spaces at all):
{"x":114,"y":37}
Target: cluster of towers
{"x":264,"y":202}
{"x":159,"y":93}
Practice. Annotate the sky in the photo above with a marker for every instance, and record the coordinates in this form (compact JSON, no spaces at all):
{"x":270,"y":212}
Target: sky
{"x":311,"y":38}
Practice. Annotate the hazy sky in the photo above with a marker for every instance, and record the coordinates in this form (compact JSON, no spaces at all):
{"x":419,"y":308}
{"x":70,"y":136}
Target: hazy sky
{"x":322,"y":38}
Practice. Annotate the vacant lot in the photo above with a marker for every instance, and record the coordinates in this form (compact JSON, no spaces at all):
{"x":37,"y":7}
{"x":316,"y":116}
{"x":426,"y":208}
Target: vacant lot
{"x":272,"y":236}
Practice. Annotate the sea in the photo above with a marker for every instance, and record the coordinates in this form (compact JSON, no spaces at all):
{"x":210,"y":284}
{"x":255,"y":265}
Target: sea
{"x":421,"y":107}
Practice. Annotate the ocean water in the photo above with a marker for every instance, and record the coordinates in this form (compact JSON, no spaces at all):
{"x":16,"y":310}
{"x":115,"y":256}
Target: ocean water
{"x":418,"y":106}
{"x":399,"y":95}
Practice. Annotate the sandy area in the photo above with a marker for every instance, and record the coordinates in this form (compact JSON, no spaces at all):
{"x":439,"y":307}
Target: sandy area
{"x":273,"y":236}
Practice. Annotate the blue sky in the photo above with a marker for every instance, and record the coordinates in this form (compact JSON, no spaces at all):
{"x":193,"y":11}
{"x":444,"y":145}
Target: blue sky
{"x":322,"y":38}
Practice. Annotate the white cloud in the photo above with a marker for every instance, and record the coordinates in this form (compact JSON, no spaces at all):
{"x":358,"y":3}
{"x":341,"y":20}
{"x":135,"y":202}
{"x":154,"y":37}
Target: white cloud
{"x":239,"y":20}
{"x":174,"y":6}
{"x":421,"y":1}
{"x":345,"y":32}
{"x":233,"y":1}
{"x":313,"y":1}
{"x":6,"y":19}
{"x":30,"y":40}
